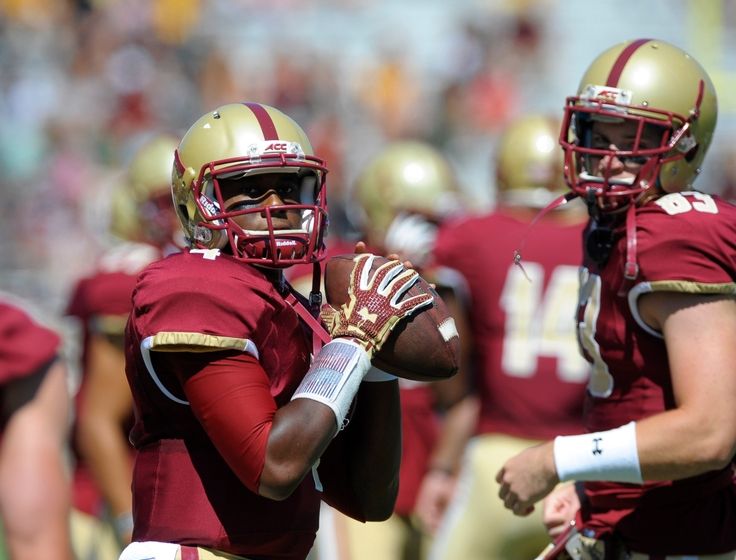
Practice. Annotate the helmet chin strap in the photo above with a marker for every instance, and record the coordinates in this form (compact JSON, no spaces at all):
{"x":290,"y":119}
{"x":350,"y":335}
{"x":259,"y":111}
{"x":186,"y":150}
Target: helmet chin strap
{"x":599,"y":232}
{"x":599,"y":240}
{"x":556,"y":203}
{"x":320,"y":336}
{"x":631,"y":268}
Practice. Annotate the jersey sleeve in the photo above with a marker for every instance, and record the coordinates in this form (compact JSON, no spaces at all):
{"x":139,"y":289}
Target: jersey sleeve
{"x":199,"y":306}
{"x":103,"y":301}
{"x":687,"y":243}
{"x":25,"y":345}
{"x":230,"y":396}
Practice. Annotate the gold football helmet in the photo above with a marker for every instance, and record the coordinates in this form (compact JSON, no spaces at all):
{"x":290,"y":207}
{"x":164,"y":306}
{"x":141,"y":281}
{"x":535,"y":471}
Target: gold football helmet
{"x":406,"y":176}
{"x":653,"y":84}
{"x":529,"y":163}
{"x":241,"y":139}
{"x":149,"y":180}
{"x":149,"y":171}
{"x":405,"y":192}
{"x":123,"y":220}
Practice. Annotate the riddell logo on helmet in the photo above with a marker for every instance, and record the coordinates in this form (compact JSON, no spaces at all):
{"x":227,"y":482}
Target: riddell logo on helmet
{"x":276,"y":147}
{"x":209,"y":206}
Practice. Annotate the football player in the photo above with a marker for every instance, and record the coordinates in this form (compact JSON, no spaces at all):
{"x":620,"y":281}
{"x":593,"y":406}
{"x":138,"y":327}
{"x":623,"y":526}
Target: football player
{"x":529,"y":377}
{"x":404,"y":192}
{"x":244,"y":402}
{"x":35,"y":490}
{"x":656,"y":319}
{"x":144,"y":226}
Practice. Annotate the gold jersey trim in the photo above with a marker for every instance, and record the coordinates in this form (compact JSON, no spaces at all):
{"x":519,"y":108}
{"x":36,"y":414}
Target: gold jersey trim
{"x":680,"y":286}
{"x":197,"y":342}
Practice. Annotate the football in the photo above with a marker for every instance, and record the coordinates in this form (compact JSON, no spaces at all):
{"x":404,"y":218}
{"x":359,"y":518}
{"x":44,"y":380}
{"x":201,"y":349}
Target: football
{"x":424,"y":346}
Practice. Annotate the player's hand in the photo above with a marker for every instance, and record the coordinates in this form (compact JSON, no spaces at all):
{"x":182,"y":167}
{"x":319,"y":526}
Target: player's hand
{"x":527,"y":478}
{"x":559,"y":509}
{"x":434,"y":496}
{"x":374,"y":308}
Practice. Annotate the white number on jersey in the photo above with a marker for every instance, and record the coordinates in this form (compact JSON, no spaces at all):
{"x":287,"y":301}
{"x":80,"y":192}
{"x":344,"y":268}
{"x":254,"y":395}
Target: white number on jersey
{"x":541,"y":322}
{"x":679,"y":203}
{"x":209,"y":254}
{"x":601,"y":380}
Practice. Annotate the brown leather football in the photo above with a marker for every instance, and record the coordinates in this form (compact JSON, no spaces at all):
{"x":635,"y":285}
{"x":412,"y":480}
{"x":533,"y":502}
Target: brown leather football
{"x":424,"y":346}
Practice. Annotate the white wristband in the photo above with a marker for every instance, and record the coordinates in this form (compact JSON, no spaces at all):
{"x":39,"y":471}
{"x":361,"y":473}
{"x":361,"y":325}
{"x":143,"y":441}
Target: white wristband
{"x":376,"y":375}
{"x":335,"y":377}
{"x":611,"y":455}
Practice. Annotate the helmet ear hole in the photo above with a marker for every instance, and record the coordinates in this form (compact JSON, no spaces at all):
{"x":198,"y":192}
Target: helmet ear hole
{"x":690,"y":155}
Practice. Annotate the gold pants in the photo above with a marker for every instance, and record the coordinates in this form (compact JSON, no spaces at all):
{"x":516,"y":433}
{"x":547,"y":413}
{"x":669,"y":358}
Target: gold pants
{"x":199,"y":553}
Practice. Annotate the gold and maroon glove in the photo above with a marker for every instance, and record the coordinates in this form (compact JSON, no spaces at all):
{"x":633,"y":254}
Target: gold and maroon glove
{"x":374,"y":305}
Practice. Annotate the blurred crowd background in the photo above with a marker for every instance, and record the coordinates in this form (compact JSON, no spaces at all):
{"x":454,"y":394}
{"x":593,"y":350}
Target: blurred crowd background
{"x":84,"y":82}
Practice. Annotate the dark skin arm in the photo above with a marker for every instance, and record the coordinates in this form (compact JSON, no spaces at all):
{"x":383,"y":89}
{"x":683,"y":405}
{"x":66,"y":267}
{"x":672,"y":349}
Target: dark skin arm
{"x":230,"y":395}
{"x":301,"y":432}
{"x":271,"y":450}
{"x":360,"y":469}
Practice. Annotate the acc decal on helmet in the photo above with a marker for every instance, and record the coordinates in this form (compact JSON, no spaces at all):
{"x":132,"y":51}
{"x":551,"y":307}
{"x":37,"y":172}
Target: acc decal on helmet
{"x":244,"y":139}
{"x":650,"y":82}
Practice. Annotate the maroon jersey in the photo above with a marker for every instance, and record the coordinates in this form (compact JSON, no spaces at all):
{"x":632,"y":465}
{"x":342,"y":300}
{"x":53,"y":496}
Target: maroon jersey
{"x":686,"y":242}
{"x":102,"y":302}
{"x":529,"y":373}
{"x":25,"y":346}
{"x":184,"y":491}
{"x":420,"y":427}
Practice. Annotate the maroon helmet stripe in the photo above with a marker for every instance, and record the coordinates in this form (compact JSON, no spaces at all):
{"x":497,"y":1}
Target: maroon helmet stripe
{"x":623,"y":58}
{"x":264,"y":120}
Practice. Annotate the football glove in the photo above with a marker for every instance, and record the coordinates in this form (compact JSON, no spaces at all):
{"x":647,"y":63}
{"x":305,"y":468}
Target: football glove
{"x":374,"y":304}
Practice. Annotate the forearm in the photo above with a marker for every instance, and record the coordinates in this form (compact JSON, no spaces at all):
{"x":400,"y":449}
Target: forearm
{"x":458,"y":426}
{"x":318,"y":409}
{"x":102,"y":417}
{"x":376,"y":455}
{"x":668,"y":446}
{"x":360,"y":469}
{"x":108,"y":455}
{"x":679,"y":444}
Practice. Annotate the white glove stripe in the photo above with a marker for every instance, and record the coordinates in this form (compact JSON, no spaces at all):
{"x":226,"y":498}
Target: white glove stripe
{"x":401,"y":291}
{"x":365,"y":272}
{"x":386,"y":284}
